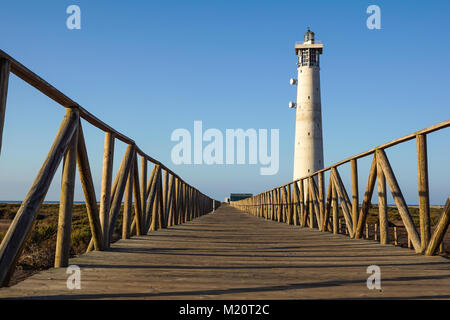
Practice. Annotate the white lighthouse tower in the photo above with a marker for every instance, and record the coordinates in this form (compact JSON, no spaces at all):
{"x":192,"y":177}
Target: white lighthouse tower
{"x":308,"y":154}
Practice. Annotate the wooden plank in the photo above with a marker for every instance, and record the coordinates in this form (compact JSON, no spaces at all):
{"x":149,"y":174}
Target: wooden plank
{"x":398,"y":198}
{"x":424,"y":196}
{"x":62,"y":250}
{"x":4,"y":79}
{"x":19,"y":230}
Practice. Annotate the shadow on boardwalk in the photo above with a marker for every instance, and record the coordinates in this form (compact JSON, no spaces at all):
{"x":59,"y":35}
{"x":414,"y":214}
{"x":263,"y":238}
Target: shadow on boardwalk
{"x":231,"y":255}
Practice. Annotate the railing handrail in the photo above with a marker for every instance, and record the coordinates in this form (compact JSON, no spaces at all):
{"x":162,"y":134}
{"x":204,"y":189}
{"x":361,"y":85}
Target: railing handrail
{"x":50,"y":91}
{"x":309,"y":42}
{"x":435,"y":127}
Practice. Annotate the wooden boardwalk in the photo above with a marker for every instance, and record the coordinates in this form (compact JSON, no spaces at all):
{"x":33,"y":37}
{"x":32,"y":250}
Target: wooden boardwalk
{"x":232,"y":255}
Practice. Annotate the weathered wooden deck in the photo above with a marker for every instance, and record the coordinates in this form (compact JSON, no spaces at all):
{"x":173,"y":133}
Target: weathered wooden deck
{"x":231,"y":255}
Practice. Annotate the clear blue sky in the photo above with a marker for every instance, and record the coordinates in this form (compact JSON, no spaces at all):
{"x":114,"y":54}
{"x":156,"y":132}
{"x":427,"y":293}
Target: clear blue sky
{"x":150,"y":67}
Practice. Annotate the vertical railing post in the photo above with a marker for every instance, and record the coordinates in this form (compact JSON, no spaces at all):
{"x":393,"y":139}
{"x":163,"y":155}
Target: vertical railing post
{"x":62,"y":251}
{"x":424,"y":198}
{"x":382,"y":206}
{"x":105,"y":196}
{"x":302,"y":203}
{"x":321,"y":200}
{"x":355,"y":196}
{"x":334,"y":204}
{"x":143,"y":192}
{"x":127,"y":206}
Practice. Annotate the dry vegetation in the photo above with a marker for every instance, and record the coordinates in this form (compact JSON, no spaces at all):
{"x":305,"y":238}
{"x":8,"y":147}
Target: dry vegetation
{"x":39,"y":251}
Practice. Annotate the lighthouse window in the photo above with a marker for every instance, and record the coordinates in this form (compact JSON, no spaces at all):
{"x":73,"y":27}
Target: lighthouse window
{"x":313,"y":57}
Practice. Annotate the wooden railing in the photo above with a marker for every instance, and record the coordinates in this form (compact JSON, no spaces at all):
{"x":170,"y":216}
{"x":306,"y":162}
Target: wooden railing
{"x":161,"y":201}
{"x":303,"y":202}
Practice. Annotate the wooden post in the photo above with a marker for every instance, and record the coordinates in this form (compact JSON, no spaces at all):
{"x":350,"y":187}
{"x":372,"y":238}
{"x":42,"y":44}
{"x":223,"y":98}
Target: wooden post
{"x":321,"y":201}
{"x":355,"y":196}
{"x":326,"y":218}
{"x":155,"y":220}
{"x":167,"y":206}
{"x":311,"y":208}
{"x":165,"y":193}
{"x":424,"y":198}
{"x":382,"y":206}
{"x":289,"y":208}
{"x":127,"y":206}
{"x":367,"y":231}
{"x":296,"y":203}
{"x":344,"y":200}
{"x":143,"y":192}
{"x":124,"y":171}
{"x":439,"y":232}
{"x":314,"y":201}
{"x":5,"y":67}
{"x":137,"y":199}
{"x":302,"y":203}
{"x":375,"y":231}
{"x":105,"y":196}
{"x":152,"y":201}
{"x":87,"y":184}
{"x":367,"y":198}
{"x":62,"y":251}
{"x":398,"y":198}
{"x":334,"y":201}
{"x":161,"y":218}
{"x":395,"y":236}
{"x":19,"y":230}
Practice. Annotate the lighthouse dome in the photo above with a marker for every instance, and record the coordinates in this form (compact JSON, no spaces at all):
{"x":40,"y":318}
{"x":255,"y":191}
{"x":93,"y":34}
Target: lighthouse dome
{"x":309,"y":36}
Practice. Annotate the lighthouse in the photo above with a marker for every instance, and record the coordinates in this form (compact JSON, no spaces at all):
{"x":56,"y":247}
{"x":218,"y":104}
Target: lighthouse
{"x":308,"y":152}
